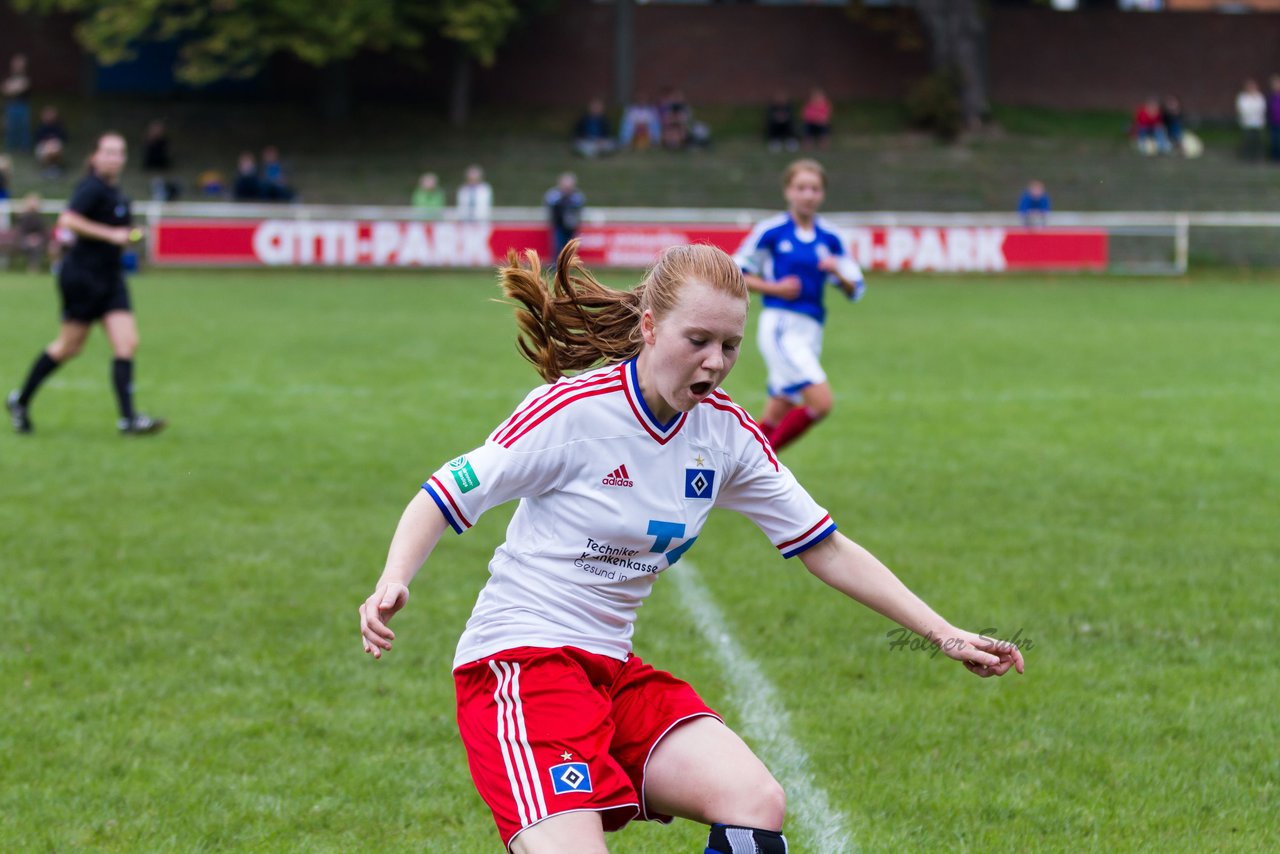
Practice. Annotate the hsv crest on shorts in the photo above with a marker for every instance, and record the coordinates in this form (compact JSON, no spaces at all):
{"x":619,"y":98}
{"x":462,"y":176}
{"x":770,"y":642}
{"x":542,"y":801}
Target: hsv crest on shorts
{"x":570,"y":777}
{"x":618,"y":477}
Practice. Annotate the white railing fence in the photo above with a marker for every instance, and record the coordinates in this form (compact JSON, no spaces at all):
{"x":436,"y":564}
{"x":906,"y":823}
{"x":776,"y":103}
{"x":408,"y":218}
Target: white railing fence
{"x":1156,"y":242}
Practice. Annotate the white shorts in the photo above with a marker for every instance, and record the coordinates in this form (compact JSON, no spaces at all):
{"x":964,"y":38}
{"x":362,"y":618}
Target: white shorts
{"x":791,"y":344}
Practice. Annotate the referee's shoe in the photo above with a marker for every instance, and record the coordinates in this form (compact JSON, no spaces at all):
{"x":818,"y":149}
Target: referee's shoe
{"x":18,"y":413}
{"x":141,"y":425}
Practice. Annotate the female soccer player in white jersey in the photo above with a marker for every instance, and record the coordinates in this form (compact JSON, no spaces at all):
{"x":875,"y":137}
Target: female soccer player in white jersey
{"x":568,"y":734}
{"x":790,"y":258}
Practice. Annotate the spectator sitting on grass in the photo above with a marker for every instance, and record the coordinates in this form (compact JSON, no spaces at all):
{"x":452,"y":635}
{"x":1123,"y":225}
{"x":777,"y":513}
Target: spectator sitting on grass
{"x":816,"y":116}
{"x":274,"y":186}
{"x":641,"y":125}
{"x":1148,"y":130}
{"x":427,"y":197}
{"x":780,"y":124}
{"x":591,"y":136}
{"x":248,"y":186}
{"x":211,"y":184}
{"x":674,"y":114}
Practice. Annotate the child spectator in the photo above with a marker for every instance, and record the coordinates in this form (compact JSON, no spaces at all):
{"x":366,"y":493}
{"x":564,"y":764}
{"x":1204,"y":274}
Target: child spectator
{"x":641,"y":125}
{"x":674,"y":113}
{"x":1034,"y":206}
{"x":428,"y":198}
{"x":274,"y":188}
{"x":780,"y":124}
{"x":592,"y":136}
{"x":51,"y":142}
{"x":817,"y":119}
{"x":1251,"y":113}
{"x":211,"y":184}
{"x":1148,"y":129}
{"x":475,"y":197}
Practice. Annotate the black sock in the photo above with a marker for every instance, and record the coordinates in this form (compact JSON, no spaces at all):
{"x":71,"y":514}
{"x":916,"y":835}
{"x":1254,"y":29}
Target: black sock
{"x":40,"y":371}
{"x":736,"y":839}
{"x":122,"y":379}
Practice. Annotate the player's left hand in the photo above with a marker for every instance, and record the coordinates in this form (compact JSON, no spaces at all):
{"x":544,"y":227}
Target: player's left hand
{"x":981,"y":655}
{"x":376,"y":611}
{"x":829,"y":264}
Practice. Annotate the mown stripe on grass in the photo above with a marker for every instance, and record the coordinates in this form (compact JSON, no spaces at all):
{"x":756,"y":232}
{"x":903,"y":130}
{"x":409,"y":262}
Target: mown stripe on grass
{"x":1261,"y":391}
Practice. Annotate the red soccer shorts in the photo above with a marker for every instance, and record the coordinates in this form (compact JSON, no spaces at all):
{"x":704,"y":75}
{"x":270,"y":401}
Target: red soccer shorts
{"x":549,"y":731}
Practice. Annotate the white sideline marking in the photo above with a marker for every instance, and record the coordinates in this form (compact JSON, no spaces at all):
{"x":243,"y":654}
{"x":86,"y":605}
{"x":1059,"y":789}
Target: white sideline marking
{"x":766,"y":723}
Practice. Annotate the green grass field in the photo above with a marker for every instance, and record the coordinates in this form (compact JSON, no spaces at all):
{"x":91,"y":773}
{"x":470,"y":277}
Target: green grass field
{"x":1091,"y":463}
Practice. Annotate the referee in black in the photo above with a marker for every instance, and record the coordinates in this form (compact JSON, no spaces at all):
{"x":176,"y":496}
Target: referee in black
{"x":92,"y":285}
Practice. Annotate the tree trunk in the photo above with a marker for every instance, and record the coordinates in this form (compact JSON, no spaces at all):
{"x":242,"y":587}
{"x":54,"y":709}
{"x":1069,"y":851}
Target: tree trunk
{"x":623,"y":51}
{"x":335,"y":92}
{"x":958,"y":39}
{"x":460,"y":91}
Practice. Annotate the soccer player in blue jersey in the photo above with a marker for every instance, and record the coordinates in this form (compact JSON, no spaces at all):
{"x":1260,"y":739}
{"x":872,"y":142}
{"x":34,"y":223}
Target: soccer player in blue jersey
{"x":791,"y":258}
{"x":617,"y":462}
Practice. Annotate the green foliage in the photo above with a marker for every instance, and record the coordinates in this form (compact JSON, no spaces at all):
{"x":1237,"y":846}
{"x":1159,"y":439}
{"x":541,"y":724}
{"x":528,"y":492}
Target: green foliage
{"x":897,"y":21}
{"x":234,"y":38}
{"x":481,"y":25}
{"x":933,"y":104}
{"x":180,"y":668}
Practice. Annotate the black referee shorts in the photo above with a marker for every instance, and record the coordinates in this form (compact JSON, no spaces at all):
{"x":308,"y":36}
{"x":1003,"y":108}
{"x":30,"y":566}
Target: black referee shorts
{"x":87,"y":296}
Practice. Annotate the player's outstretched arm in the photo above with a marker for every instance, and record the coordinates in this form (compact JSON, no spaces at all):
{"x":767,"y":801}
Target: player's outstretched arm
{"x":848,"y":567}
{"x":847,"y":274}
{"x":420,"y":528}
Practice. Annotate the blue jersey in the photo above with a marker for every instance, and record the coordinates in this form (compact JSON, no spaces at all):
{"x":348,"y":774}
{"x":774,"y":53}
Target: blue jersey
{"x":777,"y":248}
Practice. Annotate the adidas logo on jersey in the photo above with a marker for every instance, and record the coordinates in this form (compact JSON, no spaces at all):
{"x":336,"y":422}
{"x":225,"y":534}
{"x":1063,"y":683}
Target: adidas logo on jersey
{"x":617,"y":477}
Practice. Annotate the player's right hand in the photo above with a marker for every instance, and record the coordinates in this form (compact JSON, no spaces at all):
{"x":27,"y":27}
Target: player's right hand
{"x":788,"y":287}
{"x":120,"y":236}
{"x":376,"y":611}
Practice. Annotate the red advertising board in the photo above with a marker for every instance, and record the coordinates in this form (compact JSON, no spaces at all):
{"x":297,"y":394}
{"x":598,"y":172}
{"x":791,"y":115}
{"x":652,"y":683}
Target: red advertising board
{"x":355,"y":243}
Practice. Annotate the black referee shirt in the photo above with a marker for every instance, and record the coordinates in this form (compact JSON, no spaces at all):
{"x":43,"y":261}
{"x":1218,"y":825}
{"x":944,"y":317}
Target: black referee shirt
{"x":96,"y":200}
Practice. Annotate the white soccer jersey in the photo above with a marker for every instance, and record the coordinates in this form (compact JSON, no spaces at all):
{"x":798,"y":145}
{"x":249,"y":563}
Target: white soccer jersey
{"x":609,"y":499}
